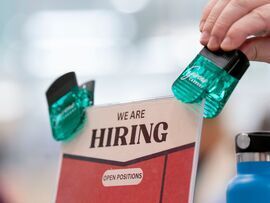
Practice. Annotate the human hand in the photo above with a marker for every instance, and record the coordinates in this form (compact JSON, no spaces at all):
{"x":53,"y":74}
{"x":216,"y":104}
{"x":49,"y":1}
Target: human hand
{"x":238,"y":24}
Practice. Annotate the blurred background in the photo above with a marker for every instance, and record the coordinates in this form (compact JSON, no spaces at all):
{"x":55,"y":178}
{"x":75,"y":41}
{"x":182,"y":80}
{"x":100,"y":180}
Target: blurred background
{"x":134,"y":50}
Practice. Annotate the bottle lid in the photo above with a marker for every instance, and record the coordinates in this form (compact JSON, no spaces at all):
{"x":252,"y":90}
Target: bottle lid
{"x":233,"y":62}
{"x":61,"y":86}
{"x":253,"y":142}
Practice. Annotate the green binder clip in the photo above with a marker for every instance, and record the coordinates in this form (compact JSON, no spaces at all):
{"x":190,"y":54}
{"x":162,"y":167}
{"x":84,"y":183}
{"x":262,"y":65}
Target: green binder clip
{"x":67,"y":105}
{"x":211,"y":76}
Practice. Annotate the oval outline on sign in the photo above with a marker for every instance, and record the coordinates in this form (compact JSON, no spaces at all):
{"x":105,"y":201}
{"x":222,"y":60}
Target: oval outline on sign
{"x":122,"y":177}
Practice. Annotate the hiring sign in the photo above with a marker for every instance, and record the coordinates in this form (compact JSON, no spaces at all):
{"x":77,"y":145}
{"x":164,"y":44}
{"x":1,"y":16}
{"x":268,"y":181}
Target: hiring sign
{"x":134,"y":152}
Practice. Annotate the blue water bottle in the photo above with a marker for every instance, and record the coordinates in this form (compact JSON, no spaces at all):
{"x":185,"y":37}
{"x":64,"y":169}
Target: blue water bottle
{"x":252,"y":182}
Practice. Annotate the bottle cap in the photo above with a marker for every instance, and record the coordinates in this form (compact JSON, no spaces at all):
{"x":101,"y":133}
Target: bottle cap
{"x":253,"y":142}
{"x":60,"y":87}
{"x":233,"y":62}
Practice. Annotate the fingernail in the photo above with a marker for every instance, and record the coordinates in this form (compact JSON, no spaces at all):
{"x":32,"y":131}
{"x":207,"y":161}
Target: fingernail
{"x":204,"y":37}
{"x":201,"y":25}
{"x":213,"y":43}
{"x":227,"y":43}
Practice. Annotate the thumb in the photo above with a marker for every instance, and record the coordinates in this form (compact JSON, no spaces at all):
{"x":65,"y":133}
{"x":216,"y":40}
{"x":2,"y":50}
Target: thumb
{"x":257,"y":49}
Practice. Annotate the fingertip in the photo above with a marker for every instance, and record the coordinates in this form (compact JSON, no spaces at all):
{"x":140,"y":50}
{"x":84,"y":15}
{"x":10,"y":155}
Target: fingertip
{"x":249,"y":55}
{"x":256,"y":49}
{"x":227,"y":44}
{"x":213,"y":43}
{"x":204,"y":37}
{"x":247,"y":50}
